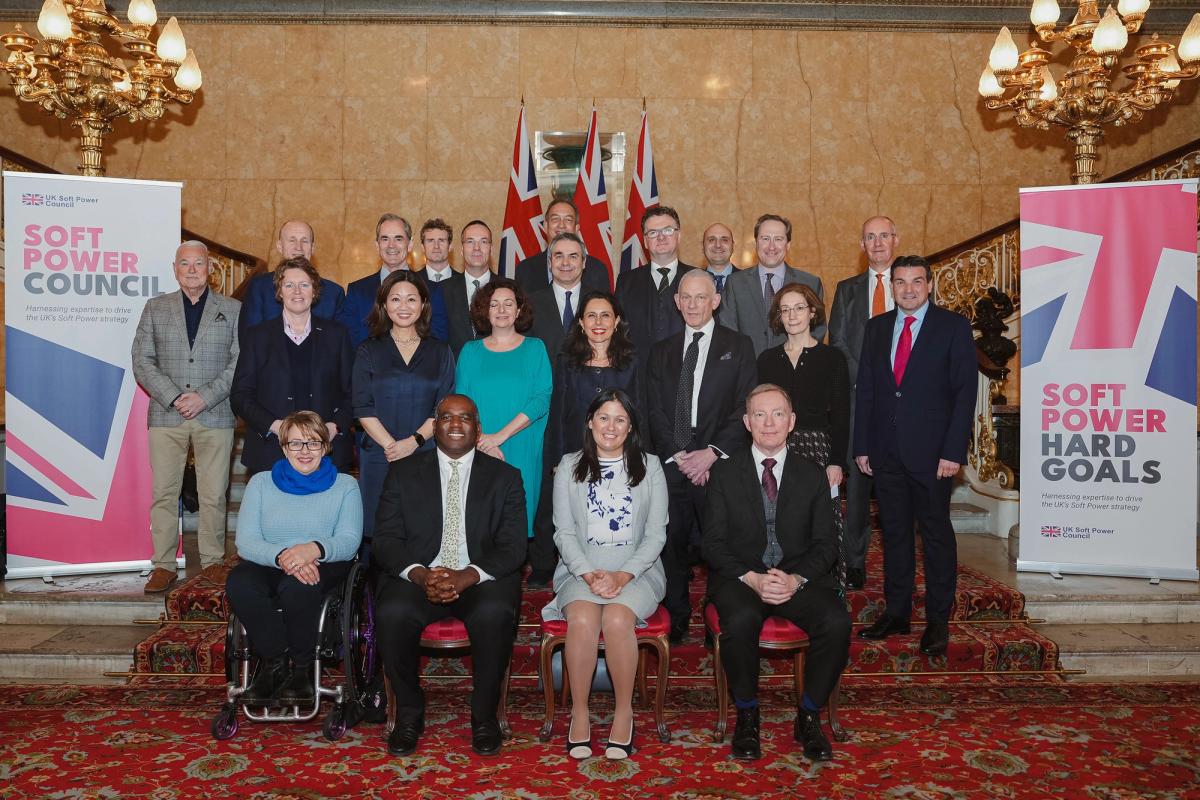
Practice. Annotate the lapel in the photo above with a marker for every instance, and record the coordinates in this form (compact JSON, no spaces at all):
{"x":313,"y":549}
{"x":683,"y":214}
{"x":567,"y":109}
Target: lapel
{"x":922,"y":349}
{"x":789,"y":491}
{"x":858,"y":298}
{"x":476,"y":489}
{"x":206,"y":316}
{"x":277,"y":344}
{"x":716,"y":349}
{"x":430,"y":485}
{"x":751,"y":481}
{"x":176,"y":313}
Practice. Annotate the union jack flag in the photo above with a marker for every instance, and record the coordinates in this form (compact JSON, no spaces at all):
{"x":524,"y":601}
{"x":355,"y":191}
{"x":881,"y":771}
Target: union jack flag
{"x":591,"y":199}
{"x":643,"y":194}
{"x":1051,"y":531}
{"x":32,"y":199}
{"x":524,"y":223}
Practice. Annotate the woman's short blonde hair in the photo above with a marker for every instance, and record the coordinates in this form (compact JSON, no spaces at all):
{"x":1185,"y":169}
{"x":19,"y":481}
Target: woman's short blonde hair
{"x":308,"y":422}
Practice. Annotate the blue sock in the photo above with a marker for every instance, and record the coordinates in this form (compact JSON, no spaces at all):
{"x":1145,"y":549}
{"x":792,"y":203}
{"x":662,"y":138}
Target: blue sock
{"x":746,"y":704}
{"x":807,"y":704}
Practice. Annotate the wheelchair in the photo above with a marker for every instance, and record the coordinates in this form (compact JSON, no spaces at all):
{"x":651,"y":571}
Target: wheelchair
{"x":345,"y":634}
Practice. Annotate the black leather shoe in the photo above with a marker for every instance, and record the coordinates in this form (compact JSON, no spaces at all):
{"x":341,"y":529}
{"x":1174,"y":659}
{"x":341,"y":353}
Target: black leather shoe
{"x":269,"y":678}
{"x":745,"y":742}
{"x":807,"y":732}
{"x":856,"y":577}
{"x":486,"y":737}
{"x":299,"y":687}
{"x":539,"y":580}
{"x":405,"y":735}
{"x":936,"y":638}
{"x":884,"y":627}
{"x":679,"y":630}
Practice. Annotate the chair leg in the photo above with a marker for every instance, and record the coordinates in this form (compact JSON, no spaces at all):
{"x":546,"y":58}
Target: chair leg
{"x":391,"y":705}
{"x":798,"y":676}
{"x":547,"y":675}
{"x":502,"y":713}
{"x":840,"y":734}
{"x":643,"y":694}
{"x":663,"y":646}
{"x":722,"y":691}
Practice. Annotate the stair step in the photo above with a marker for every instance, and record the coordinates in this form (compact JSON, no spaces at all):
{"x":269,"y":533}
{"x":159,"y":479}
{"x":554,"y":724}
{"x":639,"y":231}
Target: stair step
{"x":75,"y":653}
{"x":104,"y":599}
{"x":1135,"y":649}
{"x":970,"y":518}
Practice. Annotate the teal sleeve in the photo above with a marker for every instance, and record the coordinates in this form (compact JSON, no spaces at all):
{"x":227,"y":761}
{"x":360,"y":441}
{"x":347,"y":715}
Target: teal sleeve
{"x":541,"y":383}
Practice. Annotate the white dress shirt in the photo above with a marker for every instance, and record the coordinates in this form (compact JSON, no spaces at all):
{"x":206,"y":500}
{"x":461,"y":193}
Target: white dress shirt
{"x":656,"y":276}
{"x":560,"y":297}
{"x":437,"y":276}
{"x":888,"y":301}
{"x":705,"y":344}
{"x":464,"y":480}
{"x":776,"y":470}
{"x":470,"y":280}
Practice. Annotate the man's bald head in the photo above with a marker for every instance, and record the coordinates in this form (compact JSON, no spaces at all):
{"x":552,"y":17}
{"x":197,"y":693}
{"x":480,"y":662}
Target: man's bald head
{"x":296,"y":239}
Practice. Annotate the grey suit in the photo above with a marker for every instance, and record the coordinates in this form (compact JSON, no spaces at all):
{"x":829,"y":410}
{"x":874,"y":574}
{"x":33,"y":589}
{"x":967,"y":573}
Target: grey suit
{"x":744,"y":309}
{"x":166,"y":366}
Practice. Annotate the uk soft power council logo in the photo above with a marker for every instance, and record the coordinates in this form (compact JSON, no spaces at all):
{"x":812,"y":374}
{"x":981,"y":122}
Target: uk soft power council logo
{"x":32,"y":199}
{"x":1051,"y":531}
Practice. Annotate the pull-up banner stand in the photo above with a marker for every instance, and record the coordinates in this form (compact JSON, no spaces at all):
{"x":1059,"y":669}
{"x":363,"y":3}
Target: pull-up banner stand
{"x":83,"y":256}
{"x":1108,"y":379}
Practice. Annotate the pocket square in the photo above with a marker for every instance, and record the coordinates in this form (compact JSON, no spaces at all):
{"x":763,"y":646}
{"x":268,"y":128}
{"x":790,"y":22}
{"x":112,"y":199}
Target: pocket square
{"x":220,"y":317}
{"x":727,"y":356}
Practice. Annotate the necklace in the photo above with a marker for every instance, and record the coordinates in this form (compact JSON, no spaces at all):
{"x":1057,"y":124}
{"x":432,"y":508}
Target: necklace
{"x":405,"y":341}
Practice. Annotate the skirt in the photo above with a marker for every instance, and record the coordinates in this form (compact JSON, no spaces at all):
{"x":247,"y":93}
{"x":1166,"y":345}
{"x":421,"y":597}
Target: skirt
{"x":814,"y":446}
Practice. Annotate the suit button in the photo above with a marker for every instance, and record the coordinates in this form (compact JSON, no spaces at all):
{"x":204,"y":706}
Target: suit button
{"x":188,"y":386}
{"x":191,"y":360}
{"x":899,"y":394}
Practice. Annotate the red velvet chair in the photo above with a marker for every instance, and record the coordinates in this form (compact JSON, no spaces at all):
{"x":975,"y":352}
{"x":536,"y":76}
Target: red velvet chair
{"x":652,"y":636}
{"x":777,"y":635}
{"x":451,"y":634}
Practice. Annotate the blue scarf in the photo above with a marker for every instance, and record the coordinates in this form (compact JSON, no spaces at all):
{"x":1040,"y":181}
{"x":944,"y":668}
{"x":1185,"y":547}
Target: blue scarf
{"x":289,"y":480}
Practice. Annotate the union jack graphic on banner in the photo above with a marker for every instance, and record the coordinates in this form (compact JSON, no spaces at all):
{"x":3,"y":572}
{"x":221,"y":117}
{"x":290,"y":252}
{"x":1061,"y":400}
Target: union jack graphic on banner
{"x":524,"y":223}
{"x":643,"y":194}
{"x":591,"y":199}
{"x":32,"y":199}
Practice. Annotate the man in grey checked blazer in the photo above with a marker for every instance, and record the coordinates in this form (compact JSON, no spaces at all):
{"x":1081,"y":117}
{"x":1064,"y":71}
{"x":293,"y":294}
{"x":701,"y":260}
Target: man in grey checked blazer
{"x":184,"y":356}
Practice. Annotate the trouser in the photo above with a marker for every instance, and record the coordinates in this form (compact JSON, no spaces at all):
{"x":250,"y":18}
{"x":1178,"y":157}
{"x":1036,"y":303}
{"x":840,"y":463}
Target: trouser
{"x":542,"y":553}
{"x":257,"y":593}
{"x":168,"y":458}
{"x":686,"y":509}
{"x":856,"y":537}
{"x":489,"y":612}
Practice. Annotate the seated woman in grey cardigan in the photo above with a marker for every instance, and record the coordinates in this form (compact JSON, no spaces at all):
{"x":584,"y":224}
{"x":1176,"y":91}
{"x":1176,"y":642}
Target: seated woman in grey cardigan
{"x":298,"y":529}
{"x":610,"y":525}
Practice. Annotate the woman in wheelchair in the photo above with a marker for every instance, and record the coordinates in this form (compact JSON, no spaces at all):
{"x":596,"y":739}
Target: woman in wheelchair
{"x":298,"y":532}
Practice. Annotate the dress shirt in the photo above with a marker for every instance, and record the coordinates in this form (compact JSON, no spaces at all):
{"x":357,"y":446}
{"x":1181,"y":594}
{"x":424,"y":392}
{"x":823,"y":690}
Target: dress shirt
{"x":560,"y":297}
{"x":777,"y":470}
{"x":464,"y":480}
{"x":437,"y":276}
{"x":889,"y":302}
{"x":470,"y":279}
{"x":701,"y":360}
{"x":777,"y":275}
{"x":916,"y":327}
{"x":298,"y":336}
{"x":656,"y":276}
{"x":192,"y":312}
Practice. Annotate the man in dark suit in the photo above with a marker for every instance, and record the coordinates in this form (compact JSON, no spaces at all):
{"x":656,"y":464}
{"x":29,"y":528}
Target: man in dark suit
{"x":393,"y":237}
{"x":296,"y":239}
{"x":460,"y":557}
{"x":856,"y":301}
{"x":746,"y":301}
{"x":717,"y":243}
{"x":696,"y":383}
{"x":534,"y":273}
{"x":647,"y":294}
{"x":459,"y":289}
{"x":770,"y":545}
{"x":914,"y":403}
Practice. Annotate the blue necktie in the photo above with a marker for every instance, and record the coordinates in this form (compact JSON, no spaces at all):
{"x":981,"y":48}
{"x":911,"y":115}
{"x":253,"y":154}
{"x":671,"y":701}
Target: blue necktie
{"x":568,"y":316}
{"x":720,"y":283}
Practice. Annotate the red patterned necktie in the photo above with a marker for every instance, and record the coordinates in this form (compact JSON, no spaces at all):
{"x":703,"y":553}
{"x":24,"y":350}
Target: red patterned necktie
{"x":770,"y":485}
{"x":903,"y":350}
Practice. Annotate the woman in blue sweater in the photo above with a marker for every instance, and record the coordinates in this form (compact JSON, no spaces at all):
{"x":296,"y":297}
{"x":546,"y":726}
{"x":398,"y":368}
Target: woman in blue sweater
{"x":298,"y":530}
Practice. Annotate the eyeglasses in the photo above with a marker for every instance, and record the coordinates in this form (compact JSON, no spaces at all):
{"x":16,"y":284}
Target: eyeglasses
{"x":883,"y":237}
{"x":786,"y":310}
{"x":670,"y":230}
{"x":295,"y":445}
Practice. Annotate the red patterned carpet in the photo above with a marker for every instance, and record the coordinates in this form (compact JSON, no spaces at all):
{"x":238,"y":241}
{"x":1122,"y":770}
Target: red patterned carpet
{"x":915,"y":741}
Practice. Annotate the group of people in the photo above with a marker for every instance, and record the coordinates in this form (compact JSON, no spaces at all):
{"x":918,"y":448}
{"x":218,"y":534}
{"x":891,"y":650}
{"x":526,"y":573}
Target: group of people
{"x":610,"y":440}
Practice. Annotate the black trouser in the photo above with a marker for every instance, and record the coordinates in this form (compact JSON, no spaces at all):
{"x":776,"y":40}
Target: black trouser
{"x":489,"y":611}
{"x":542,"y":553}
{"x":815,"y":609}
{"x":255,"y":592}
{"x":686,"y":509}
{"x":903,"y":497}
{"x":856,"y":537}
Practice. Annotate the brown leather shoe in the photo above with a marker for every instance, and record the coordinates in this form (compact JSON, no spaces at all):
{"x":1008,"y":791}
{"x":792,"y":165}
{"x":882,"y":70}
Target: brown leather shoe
{"x":160,"y":580}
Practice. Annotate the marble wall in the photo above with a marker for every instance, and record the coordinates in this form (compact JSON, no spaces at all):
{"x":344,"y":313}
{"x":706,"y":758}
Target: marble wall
{"x":337,"y":123}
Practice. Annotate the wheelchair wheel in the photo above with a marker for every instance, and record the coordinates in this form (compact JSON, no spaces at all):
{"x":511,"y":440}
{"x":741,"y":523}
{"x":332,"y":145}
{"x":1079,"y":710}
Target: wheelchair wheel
{"x":225,"y":723}
{"x":335,"y":723}
{"x":360,"y":656}
{"x":236,"y":650}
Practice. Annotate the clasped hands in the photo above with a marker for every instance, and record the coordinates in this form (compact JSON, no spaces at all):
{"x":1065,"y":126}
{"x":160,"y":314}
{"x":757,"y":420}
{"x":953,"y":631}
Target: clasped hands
{"x":695,"y":464}
{"x":605,"y":583}
{"x":490,"y":443}
{"x":443,"y":585}
{"x":400,"y":448}
{"x":774,"y":586}
{"x":189,"y":405}
{"x":300,"y":561}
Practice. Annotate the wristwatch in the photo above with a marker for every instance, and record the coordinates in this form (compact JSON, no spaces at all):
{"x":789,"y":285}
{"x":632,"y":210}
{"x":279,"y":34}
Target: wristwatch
{"x":418,"y":438}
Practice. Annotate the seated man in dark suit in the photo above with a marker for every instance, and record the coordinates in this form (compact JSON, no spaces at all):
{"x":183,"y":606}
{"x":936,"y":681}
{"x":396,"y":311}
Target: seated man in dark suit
{"x":458,"y":557}
{"x":534,"y":273}
{"x":771,"y":546}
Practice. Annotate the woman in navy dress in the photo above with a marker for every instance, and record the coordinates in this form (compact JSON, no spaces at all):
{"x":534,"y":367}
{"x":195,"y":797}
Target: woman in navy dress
{"x":400,"y":375}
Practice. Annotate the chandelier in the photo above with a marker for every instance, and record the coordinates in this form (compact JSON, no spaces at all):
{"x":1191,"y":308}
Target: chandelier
{"x":71,"y":74}
{"x":1082,"y":101}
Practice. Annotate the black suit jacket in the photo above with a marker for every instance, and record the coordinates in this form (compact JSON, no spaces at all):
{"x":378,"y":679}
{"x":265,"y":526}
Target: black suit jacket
{"x":729,"y":375}
{"x":734,"y":536}
{"x":532,"y":274}
{"x":848,"y":317}
{"x":458,"y":313}
{"x":547,"y":321}
{"x":928,"y":416}
{"x":408,"y":522}
{"x":637,"y":292}
{"x":262,"y":388}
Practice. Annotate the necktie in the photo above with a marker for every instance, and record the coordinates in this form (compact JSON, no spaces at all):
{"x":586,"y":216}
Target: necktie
{"x":770,"y":485}
{"x":448,"y":556}
{"x":720,"y":283}
{"x":663,"y":283}
{"x":768,"y":290}
{"x":903,"y":350}
{"x":774,"y":553}
{"x":878,"y":301}
{"x":683,"y":398}
{"x":568,"y":315}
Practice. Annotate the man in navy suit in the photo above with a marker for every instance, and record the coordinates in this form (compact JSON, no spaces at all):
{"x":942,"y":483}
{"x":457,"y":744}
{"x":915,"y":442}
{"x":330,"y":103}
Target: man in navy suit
{"x":459,"y":289}
{"x":296,"y":239}
{"x":534,"y":273}
{"x":393,"y":237}
{"x":913,"y":409}
{"x":647,"y":294}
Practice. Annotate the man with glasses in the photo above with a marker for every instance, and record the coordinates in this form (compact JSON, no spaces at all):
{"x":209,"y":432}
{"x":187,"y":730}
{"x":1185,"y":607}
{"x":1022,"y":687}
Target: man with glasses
{"x":855,"y":302}
{"x":459,"y":289}
{"x":535,"y":272}
{"x":647,"y":294}
{"x":748,"y":294}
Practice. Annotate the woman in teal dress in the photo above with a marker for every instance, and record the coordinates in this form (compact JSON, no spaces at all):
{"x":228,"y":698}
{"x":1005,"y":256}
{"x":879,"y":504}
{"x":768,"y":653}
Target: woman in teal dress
{"x":507,"y":374}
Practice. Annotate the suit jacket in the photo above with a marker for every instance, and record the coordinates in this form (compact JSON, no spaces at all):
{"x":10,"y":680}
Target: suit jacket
{"x":734,"y":535}
{"x":259,"y":303}
{"x":458,"y":314}
{"x":848,"y":317}
{"x":648,"y":321}
{"x":166,"y":366}
{"x":262,"y":388}
{"x":360,"y":299}
{"x":928,"y":416}
{"x":408,"y":522}
{"x":729,"y":374}
{"x":531,"y":274}
{"x":746,"y":311}
{"x":547,"y":321}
